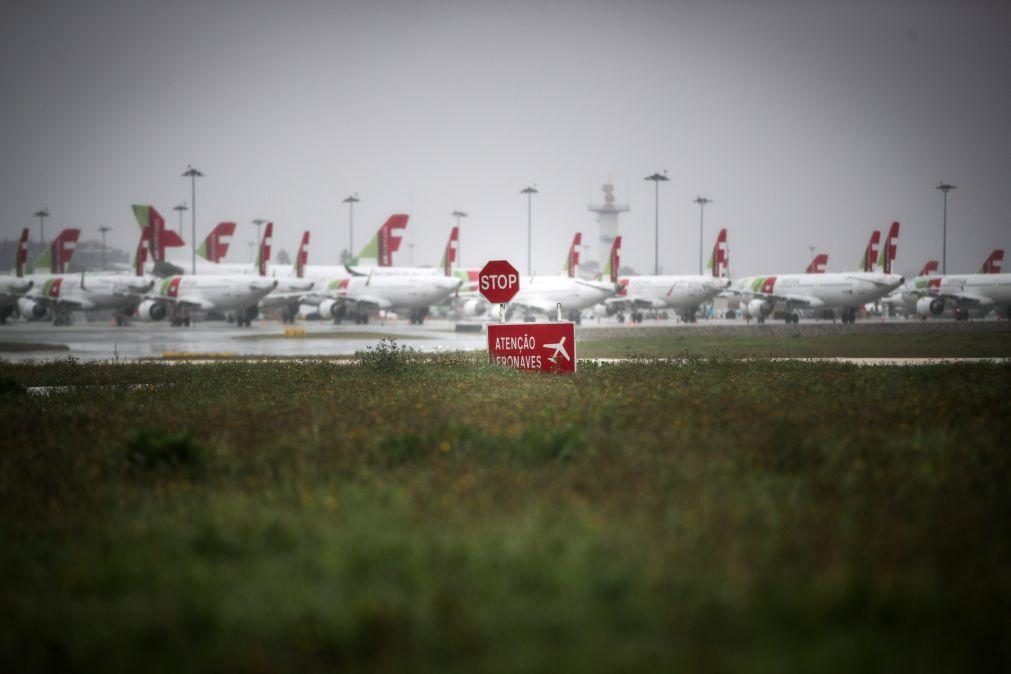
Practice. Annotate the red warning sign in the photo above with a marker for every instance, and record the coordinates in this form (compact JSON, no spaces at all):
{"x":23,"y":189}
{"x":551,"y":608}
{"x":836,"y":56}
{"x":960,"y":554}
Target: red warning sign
{"x":535,"y":347}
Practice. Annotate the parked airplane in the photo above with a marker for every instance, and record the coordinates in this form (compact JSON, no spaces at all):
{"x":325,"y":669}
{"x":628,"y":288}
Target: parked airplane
{"x":12,"y":287}
{"x":358,"y":297}
{"x":683,"y":293}
{"x":543,"y":294}
{"x":845,"y":292}
{"x":962,"y":296}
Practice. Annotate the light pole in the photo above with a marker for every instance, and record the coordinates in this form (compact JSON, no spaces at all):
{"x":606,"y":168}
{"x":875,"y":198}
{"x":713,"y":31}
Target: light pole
{"x":180,"y":209}
{"x":410,"y":255}
{"x":351,"y":201}
{"x":944,"y":187}
{"x":193,"y":174}
{"x":42,"y":214}
{"x":657,"y":179}
{"x":458,"y":215}
{"x":530,"y":192}
{"x":251,"y":244}
{"x":701,"y":201}
{"x":103,"y":229}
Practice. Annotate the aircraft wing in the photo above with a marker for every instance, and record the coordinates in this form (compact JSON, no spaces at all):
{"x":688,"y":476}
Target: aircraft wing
{"x":544,"y":306}
{"x":965,"y":298}
{"x":798,"y":300}
{"x":637,"y":302}
{"x":369,"y":301}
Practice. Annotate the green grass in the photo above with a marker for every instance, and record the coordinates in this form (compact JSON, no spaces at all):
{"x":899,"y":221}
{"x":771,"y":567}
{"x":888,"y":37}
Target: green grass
{"x":18,"y":347}
{"x":898,"y":345}
{"x":448,"y":516}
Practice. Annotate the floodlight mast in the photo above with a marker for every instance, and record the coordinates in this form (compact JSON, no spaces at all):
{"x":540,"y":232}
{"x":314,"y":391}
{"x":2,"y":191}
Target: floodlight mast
{"x":42,"y":214}
{"x":945,"y":188}
{"x":657,"y":178}
{"x":701,"y":201}
{"x":193,"y":174}
{"x":530,"y":191}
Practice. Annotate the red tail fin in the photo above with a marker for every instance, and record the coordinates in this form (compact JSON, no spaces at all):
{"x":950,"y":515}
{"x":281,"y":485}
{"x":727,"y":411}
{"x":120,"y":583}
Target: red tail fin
{"x":141,"y":257}
{"x":159,"y":238}
{"x":871,"y":252}
{"x":615,"y":258}
{"x":390,"y":237}
{"x":719,"y":261}
{"x":302,"y":257}
{"x":21,"y":259}
{"x":818,"y":264}
{"x":994,"y":263}
{"x":573,"y":262}
{"x":215,"y":246}
{"x":449,"y":257}
{"x":63,"y":249}
{"x":890,"y":248}
{"x":264,"y":257}
{"x":929,"y":268}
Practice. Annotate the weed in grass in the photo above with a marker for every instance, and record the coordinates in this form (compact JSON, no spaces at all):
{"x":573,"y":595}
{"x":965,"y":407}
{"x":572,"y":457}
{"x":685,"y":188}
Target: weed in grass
{"x":152,"y":450}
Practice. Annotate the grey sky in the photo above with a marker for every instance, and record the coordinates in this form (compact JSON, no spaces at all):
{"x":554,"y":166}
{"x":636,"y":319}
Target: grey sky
{"x":808,"y":123}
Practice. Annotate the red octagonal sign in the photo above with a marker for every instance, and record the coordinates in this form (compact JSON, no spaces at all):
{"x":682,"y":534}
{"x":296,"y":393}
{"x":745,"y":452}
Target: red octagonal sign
{"x":498,"y":281}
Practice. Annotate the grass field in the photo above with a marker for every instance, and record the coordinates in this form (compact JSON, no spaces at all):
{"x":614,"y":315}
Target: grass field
{"x":443,"y":515}
{"x":866,"y":345}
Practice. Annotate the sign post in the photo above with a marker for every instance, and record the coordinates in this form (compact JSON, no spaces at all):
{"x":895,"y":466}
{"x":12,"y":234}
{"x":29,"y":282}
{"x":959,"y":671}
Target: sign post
{"x":498,"y":281}
{"x":532,"y":347}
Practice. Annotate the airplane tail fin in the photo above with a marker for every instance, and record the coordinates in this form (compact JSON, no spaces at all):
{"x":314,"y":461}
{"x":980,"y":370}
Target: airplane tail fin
{"x":719,"y":259}
{"x":21,"y":258}
{"x":63,"y":249}
{"x":215,"y":246}
{"x":152,"y":225}
{"x":994,"y":263}
{"x":449,"y":255}
{"x":890,"y":248}
{"x":263,"y":256}
{"x":929,"y":268}
{"x":140,"y":257}
{"x":818,"y":264}
{"x":613,"y":262}
{"x":302,"y":257}
{"x":870,"y":258}
{"x":385,"y":243}
{"x":572,"y":259}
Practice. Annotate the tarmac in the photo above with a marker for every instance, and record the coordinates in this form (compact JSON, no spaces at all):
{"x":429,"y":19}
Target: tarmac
{"x":215,"y":340}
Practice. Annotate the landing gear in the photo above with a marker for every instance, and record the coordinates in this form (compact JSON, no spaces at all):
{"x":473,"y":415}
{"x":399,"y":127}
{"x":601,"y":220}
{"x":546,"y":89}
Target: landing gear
{"x":61,"y":316}
{"x":418,"y":316}
{"x":961,"y":313}
{"x":5,"y":313}
{"x":576,"y":317}
{"x":289,"y":312}
{"x":848,"y":315}
{"x":792,"y":317}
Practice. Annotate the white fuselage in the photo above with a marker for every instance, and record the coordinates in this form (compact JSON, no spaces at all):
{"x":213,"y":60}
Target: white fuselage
{"x":680,"y":292}
{"x":393,"y":292}
{"x":220,"y":293}
{"x":544,"y":293}
{"x":84,"y":292}
{"x":830,"y":291}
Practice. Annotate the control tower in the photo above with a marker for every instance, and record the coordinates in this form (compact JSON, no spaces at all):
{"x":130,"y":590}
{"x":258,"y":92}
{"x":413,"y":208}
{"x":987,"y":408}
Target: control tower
{"x":607,"y":220}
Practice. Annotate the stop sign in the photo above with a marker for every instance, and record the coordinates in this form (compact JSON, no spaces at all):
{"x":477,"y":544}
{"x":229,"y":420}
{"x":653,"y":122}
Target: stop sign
{"x":498,"y":281}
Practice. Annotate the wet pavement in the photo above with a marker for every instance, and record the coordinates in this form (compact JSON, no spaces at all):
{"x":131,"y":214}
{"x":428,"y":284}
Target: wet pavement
{"x":102,"y":341}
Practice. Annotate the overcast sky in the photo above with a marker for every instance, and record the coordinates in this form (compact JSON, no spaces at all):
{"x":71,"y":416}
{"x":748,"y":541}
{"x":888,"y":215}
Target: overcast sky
{"x":807,"y":123}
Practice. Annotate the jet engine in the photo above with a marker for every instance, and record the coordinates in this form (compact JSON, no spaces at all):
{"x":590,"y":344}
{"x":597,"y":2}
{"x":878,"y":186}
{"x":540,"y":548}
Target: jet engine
{"x":149,"y":310}
{"x":31,"y":309}
{"x":328,"y":308}
{"x":929,"y":306}
{"x":473,"y":307}
{"x":758,"y":308}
